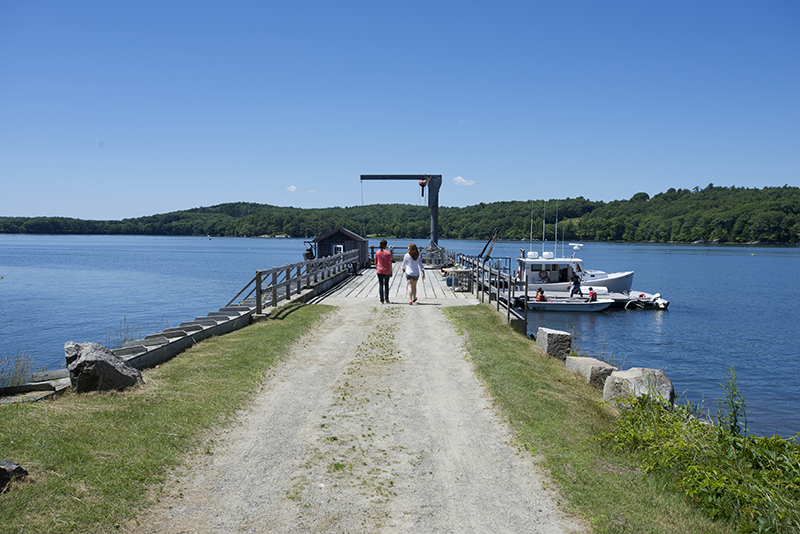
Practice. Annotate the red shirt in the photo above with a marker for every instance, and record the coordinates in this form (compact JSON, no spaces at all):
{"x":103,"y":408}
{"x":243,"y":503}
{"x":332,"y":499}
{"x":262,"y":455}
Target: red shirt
{"x":383,"y":261}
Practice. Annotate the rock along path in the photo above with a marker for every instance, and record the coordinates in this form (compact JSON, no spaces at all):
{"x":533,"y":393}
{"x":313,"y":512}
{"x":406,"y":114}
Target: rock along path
{"x":375,"y":423}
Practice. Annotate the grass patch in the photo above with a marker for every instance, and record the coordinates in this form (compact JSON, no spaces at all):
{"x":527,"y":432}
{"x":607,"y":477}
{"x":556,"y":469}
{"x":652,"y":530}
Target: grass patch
{"x":93,"y":459}
{"x":556,"y":415}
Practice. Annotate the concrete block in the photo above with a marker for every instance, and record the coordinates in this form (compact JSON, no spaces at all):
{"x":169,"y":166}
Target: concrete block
{"x":556,"y":343}
{"x":152,"y":341}
{"x":636,"y":382}
{"x":188,"y":327}
{"x":236,"y":309}
{"x":128,"y":350}
{"x":211,"y":320}
{"x":593,"y":370}
{"x":46,"y":376}
{"x":171,"y":334}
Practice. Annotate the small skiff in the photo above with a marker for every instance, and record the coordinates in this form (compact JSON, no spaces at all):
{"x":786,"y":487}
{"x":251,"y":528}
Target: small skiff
{"x":570,"y":305}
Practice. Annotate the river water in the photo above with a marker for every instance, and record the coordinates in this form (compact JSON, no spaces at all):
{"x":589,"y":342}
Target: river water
{"x":728,"y":305}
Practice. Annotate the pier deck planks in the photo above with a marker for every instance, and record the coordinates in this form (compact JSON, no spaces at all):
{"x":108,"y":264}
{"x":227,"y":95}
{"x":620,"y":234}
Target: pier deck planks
{"x":365,"y":286}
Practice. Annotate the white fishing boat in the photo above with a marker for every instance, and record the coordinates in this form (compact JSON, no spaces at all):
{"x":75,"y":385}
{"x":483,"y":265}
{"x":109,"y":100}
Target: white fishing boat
{"x":554,"y":274}
{"x":570,"y":305}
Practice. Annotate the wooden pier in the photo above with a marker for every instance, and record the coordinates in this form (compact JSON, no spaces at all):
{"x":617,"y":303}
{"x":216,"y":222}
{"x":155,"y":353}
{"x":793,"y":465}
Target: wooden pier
{"x":365,"y":286}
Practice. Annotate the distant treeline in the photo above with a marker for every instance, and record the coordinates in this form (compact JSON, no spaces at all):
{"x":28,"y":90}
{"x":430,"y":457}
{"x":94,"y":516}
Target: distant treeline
{"x":713,"y":214}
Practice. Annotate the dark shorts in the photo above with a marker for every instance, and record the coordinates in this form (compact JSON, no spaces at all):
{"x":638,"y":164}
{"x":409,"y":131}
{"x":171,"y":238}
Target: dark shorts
{"x":409,"y":277}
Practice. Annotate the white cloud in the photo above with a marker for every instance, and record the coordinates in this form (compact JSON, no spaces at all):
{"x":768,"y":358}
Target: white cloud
{"x":291,"y":189}
{"x":311,"y":191}
{"x":460,"y":181}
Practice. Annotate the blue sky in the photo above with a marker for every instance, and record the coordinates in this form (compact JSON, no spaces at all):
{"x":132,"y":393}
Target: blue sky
{"x":111,"y":110}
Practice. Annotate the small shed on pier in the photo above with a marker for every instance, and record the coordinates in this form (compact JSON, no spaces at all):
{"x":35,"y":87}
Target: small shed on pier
{"x":342,"y":240}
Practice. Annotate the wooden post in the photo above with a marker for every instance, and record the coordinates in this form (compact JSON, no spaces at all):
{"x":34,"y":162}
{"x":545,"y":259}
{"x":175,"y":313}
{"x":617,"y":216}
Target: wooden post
{"x":498,"y":290}
{"x":274,"y":288}
{"x":299,"y":278}
{"x":525,"y":303}
{"x":509,"y":296}
{"x":258,"y":293}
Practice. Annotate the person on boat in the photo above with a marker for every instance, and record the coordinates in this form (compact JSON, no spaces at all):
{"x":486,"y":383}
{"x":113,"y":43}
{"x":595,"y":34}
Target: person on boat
{"x":412,"y":266}
{"x":383,"y":264}
{"x":592,"y":295}
{"x":575,"y":282}
{"x":540,"y":295}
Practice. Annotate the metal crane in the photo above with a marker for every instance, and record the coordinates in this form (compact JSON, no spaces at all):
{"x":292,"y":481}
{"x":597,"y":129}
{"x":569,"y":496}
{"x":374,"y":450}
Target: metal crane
{"x":433,"y":182}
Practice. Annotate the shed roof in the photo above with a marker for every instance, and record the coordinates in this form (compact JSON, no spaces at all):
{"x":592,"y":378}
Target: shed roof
{"x":341,"y":230}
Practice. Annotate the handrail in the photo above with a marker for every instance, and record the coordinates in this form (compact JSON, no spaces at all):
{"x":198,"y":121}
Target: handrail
{"x":493,"y":277}
{"x":282,"y":282}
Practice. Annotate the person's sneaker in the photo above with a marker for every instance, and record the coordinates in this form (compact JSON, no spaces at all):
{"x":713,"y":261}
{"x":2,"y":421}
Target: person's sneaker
{"x":415,"y":299}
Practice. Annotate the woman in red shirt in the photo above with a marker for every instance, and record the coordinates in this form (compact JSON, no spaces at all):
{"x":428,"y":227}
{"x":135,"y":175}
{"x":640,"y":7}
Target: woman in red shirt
{"x":383,"y":263}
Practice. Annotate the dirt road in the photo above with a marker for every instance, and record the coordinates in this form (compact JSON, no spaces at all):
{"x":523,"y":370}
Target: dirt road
{"x":375,"y":423}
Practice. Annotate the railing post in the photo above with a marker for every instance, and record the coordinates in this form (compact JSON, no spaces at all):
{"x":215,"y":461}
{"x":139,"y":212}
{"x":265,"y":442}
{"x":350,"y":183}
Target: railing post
{"x":509,"y":294}
{"x":274,"y":288}
{"x":498,"y":289}
{"x":258,"y":293}
{"x":525,"y":302}
{"x":288,"y":282}
{"x":481,"y":286}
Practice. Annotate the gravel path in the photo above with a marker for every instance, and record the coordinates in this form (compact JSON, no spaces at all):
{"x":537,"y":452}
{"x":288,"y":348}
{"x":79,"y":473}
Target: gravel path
{"x":375,"y":423}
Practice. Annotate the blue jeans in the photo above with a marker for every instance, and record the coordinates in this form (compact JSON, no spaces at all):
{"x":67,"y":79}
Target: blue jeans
{"x":575,"y":289}
{"x":383,"y":286}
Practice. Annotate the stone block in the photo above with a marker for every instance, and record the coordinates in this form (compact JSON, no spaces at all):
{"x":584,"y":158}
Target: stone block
{"x":636,"y":382}
{"x":593,"y":370}
{"x":556,"y":343}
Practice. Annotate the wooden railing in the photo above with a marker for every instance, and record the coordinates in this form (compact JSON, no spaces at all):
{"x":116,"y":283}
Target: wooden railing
{"x":269,"y":287}
{"x":495,"y":278}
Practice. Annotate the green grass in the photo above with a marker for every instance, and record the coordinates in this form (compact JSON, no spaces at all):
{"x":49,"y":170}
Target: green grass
{"x":556,"y":416}
{"x":94,"y":459}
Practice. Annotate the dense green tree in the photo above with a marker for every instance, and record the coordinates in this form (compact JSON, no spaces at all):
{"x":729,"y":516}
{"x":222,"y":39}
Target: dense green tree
{"x":717,"y":214}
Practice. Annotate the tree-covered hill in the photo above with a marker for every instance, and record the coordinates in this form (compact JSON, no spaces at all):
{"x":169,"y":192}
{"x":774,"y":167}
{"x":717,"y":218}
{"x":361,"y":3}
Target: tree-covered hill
{"x":715,"y":214}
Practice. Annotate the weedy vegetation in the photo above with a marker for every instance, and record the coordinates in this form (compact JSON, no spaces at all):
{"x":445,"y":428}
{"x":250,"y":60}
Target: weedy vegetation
{"x":752,"y":482}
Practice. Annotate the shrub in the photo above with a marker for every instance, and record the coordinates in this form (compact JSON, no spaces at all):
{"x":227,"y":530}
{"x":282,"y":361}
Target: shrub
{"x":752,"y":481}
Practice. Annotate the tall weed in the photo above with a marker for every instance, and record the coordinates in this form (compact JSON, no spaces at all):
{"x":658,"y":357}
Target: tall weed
{"x":751,"y":481}
{"x":130,"y":331}
{"x":16,"y":370}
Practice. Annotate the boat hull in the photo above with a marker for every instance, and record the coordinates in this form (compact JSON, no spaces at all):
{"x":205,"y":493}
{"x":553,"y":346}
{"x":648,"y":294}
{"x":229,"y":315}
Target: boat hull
{"x":570,"y":305}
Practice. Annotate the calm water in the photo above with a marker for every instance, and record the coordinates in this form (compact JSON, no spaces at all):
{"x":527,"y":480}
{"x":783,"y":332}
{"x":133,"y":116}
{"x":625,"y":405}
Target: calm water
{"x":728,"y":305}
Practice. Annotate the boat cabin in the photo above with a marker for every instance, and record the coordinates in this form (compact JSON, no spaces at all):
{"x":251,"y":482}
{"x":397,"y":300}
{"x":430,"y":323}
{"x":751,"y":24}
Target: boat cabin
{"x":546,"y":269}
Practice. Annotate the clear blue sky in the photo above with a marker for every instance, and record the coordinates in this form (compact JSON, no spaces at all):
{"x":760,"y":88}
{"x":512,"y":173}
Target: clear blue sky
{"x":110,"y":110}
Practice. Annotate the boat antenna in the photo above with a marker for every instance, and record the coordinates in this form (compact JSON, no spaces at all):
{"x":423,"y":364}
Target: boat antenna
{"x":530,"y":242}
{"x":555,"y":234}
{"x":544,"y":217}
